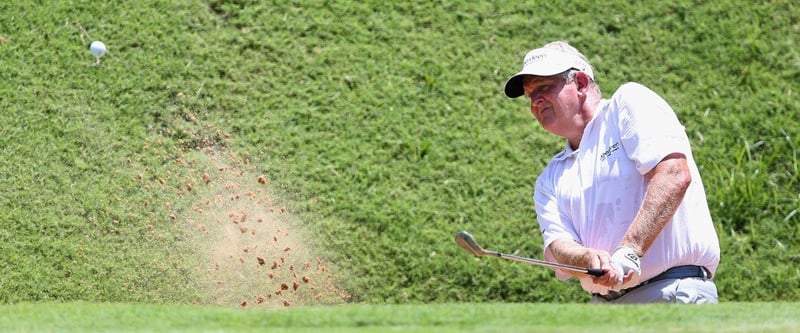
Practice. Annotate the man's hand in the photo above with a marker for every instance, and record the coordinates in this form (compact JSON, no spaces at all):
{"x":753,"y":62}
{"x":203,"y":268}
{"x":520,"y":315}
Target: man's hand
{"x":570,"y":252}
{"x":628,"y":267}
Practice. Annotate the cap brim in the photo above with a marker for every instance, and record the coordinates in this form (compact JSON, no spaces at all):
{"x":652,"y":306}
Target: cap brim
{"x":513,"y":87}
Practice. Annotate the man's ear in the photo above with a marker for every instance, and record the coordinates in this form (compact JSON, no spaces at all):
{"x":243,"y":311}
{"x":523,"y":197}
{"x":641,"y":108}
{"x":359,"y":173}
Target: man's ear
{"x":582,"y":79}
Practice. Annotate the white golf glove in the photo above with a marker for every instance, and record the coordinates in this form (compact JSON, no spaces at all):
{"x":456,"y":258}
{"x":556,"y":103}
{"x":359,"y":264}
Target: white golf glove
{"x":625,"y":260}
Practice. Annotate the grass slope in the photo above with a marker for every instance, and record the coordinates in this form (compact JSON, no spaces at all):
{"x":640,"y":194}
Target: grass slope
{"x":380,"y":126}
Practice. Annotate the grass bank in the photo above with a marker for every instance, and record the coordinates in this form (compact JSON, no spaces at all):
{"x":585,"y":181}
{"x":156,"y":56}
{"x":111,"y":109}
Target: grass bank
{"x":380,"y":128}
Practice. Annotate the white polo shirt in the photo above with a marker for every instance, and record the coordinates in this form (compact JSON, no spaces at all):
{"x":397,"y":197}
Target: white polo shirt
{"x":593,"y":194}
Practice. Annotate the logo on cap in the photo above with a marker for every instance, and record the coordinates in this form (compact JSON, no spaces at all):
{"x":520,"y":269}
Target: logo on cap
{"x":532,"y":58}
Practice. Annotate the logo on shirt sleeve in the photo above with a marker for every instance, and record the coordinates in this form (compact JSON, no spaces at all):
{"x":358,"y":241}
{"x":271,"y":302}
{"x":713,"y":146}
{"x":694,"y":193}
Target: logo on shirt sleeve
{"x":610,"y":150}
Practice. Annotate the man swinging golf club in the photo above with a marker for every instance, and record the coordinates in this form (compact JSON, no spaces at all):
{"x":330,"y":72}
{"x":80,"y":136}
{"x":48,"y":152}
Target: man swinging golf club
{"x":624,"y":195}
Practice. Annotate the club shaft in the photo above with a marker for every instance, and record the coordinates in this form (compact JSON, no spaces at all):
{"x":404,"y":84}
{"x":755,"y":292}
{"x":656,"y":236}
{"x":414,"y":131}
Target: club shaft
{"x":468,"y":243}
{"x":590,"y":271}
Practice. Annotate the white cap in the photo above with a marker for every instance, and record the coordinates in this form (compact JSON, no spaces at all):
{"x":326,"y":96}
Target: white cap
{"x":549,"y":60}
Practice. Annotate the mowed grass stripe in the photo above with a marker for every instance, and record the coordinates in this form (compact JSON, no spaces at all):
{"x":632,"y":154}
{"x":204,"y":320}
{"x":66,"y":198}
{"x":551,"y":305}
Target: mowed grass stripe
{"x":463,"y":317}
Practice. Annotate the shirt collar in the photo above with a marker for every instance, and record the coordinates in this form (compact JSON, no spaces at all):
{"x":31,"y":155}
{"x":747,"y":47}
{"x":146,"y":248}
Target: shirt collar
{"x":568,"y":152}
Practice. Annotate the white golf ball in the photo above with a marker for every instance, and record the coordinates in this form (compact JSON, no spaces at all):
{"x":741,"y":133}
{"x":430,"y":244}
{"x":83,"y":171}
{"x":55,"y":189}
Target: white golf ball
{"x":97,"y":48}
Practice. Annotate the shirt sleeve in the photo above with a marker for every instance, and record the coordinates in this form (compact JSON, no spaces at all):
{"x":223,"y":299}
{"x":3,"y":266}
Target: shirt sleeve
{"x":649,"y":128}
{"x":552,"y":222}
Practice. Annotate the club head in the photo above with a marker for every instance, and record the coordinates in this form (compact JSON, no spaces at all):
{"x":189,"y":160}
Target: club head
{"x":466,"y":242}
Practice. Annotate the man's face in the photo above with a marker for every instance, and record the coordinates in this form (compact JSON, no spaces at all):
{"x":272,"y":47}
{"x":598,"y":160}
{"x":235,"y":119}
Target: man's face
{"x":554,"y":103}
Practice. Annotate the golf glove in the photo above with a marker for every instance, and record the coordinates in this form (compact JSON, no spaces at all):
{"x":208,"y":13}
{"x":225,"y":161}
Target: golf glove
{"x":625,"y":260}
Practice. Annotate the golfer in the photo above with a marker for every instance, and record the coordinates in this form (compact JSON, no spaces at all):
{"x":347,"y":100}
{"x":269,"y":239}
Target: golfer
{"x":625,"y":194}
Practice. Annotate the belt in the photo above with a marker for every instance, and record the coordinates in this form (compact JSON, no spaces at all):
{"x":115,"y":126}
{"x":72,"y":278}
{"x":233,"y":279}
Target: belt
{"x":677,"y":272}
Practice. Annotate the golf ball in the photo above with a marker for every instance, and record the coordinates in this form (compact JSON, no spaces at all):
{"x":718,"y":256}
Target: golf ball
{"x":97,"y":48}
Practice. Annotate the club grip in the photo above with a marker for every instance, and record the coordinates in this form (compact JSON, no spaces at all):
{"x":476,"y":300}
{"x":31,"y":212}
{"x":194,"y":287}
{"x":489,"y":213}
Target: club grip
{"x":595,"y":271}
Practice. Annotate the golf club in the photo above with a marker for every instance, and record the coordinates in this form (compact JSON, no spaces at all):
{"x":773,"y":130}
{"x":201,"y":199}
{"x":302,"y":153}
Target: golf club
{"x":468,"y":243}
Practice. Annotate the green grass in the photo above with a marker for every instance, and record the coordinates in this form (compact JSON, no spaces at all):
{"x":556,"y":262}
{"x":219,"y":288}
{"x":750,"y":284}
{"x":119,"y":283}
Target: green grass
{"x":381,"y":128}
{"x":488,"y":317}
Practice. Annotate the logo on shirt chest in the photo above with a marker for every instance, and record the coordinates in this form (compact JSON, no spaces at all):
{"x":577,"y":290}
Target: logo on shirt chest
{"x":610,"y":150}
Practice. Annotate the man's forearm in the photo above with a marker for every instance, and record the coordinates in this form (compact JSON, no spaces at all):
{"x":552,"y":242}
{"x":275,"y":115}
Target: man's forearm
{"x":571,"y":253}
{"x":668,"y":184}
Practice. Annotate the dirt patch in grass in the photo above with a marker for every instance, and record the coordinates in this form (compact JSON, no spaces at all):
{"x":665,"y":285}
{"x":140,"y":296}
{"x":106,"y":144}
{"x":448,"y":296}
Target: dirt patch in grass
{"x":246,"y":249}
{"x":249,"y":246}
